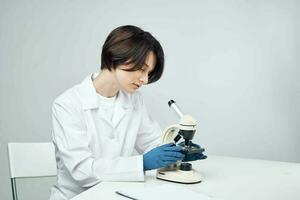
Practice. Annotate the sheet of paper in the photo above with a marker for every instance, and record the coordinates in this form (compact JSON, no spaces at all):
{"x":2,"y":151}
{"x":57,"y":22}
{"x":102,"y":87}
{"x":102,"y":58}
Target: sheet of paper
{"x":166,"y":191}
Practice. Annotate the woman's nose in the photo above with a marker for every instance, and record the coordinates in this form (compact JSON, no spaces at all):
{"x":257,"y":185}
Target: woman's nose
{"x":144,"y":78}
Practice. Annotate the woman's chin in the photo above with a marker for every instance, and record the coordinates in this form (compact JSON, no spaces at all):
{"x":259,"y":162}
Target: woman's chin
{"x":131,"y":89}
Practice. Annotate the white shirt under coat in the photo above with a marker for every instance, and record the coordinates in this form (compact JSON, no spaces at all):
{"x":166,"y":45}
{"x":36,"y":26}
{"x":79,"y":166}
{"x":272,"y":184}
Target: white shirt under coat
{"x":92,"y":147}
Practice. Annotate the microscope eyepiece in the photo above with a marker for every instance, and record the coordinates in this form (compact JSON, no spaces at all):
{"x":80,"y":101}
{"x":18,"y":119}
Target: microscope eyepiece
{"x":173,"y":105}
{"x":171,"y":102}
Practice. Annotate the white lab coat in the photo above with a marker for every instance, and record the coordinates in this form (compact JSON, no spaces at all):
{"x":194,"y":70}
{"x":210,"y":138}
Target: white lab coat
{"x":90,"y":147}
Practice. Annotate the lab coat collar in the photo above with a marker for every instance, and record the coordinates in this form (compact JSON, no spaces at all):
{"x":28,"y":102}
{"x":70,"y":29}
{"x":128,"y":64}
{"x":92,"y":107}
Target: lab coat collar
{"x":89,"y":96}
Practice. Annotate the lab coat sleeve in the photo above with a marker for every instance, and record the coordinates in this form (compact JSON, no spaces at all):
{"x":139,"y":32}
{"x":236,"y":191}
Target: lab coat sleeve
{"x":149,"y":135}
{"x":70,"y":137}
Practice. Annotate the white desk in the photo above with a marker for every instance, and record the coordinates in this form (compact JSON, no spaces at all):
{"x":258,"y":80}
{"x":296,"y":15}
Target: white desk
{"x":226,"y":178}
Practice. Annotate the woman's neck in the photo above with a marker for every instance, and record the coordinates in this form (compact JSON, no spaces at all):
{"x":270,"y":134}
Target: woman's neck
{"x":106,"y":84}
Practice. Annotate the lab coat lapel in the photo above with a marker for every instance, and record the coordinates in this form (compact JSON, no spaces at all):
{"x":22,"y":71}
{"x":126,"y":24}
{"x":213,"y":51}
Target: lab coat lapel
{"x":90,"y":100}
{"x":87,"y":94}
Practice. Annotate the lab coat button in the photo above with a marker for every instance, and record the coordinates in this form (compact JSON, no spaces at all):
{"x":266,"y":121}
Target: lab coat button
{"x":111,"y":137}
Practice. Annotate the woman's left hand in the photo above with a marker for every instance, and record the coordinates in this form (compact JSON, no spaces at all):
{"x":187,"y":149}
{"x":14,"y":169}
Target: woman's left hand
{"x":193,"y":156}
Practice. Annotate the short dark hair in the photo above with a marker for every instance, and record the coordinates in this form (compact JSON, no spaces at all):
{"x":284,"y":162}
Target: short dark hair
{"x":130,"y":44}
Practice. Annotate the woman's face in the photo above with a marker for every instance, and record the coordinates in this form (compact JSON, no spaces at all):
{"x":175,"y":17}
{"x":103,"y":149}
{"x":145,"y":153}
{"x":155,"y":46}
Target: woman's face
{"x":130,"y":81}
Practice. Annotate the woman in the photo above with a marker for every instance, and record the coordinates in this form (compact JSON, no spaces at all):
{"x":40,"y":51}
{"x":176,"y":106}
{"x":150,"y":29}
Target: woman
{"x":98,"y":123}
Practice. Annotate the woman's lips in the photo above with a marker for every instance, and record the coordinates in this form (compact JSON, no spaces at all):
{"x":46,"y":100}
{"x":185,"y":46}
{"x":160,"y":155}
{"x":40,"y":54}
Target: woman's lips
{"x":136,"y":85}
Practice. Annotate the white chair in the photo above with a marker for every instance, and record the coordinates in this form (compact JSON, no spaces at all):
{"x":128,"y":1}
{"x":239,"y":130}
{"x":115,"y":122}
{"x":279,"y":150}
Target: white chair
{"x":28,"y":160}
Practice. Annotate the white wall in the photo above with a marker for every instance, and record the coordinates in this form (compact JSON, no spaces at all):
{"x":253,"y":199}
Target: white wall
{"x":231,"y":64}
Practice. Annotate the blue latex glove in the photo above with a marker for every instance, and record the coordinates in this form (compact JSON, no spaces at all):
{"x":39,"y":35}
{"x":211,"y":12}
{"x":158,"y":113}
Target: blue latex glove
{"x":162,"y":156}
{"x":194,"y":156}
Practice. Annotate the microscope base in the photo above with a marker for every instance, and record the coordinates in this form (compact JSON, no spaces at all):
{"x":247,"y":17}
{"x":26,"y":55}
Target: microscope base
{"x":179,"y":176}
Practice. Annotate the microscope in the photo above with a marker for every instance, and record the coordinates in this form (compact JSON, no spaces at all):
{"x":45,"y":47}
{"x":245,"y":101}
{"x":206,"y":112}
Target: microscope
{"x":181,"y":172}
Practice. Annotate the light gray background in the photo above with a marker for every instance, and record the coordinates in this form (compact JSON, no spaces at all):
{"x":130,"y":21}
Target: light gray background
{"x":233,"y":65}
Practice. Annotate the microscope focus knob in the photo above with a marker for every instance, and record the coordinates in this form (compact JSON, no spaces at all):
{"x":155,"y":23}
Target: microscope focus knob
{"x":186,"y":166}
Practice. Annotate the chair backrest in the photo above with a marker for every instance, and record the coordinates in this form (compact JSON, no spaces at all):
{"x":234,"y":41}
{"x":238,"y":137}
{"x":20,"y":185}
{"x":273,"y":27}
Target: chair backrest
{"x":31,"y":160}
